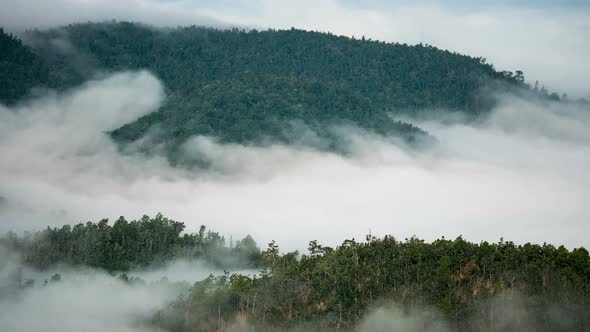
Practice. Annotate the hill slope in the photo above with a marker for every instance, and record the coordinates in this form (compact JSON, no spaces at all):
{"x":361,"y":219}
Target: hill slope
{"x":20,"y":69}
{"x":246,"y":86}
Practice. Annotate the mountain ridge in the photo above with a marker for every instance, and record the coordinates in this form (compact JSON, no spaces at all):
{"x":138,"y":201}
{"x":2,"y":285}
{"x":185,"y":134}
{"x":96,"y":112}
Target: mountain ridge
{"x":242,"y":86}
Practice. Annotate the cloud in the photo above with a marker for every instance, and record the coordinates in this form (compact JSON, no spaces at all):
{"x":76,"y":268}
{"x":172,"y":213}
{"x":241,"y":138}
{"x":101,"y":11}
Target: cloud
{"x":89,"y":299}
{"x":399,"y":318}
{"x":89,"y":305}
{"x":181,"y":270}
{"x":18,"y":15}
{"x":508,"y":310}
{"x":84,"y":299}
{"x":521,"y":174}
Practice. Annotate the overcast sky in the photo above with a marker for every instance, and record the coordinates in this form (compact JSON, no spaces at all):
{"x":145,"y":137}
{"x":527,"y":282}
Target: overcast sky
{"x":546,"y":39}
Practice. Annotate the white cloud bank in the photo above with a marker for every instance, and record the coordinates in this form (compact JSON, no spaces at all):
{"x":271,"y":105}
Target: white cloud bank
{"x":521,"y":175}
{"x":84,"y":300}
{"x":27,"y":14}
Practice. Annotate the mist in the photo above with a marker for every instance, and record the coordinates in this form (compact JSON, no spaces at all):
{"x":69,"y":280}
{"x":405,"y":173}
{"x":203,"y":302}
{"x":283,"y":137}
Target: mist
{"x":87,"y":299}
{"x":508,"y":311}
{"x":520,"y":174}
{"x":180,"y":270}
{"x":28,"y":14}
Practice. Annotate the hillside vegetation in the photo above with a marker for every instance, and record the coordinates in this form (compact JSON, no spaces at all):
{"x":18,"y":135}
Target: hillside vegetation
{"x":248,"y":86}
{"x":475,"y":287}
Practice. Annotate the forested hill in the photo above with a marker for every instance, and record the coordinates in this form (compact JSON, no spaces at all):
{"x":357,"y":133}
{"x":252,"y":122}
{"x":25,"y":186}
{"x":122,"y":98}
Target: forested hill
{"x":20,"y":69}
{"x":243,"y":85}
{"x":475,"y":286}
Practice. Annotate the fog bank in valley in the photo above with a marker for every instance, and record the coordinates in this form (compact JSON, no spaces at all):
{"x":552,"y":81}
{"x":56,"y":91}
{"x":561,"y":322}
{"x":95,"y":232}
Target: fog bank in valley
{"x":520,"y":174}
{"x":83,"y":299}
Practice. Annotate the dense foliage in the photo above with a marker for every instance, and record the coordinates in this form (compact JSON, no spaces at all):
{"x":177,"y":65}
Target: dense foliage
{"x":129,"y":244}
{"x":486,"y":286}
{"x":20,"y":69}
{"x":245,"y":86}
{"x":268,"y":109}
{"x":476,"y":287}
{"x":258,"y":86}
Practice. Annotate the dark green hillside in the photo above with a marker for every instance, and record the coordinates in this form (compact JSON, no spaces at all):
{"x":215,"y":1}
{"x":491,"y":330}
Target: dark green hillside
{"x":20,"y":69}
{"x":474,"y":286}
{"x":260,"y":108}
{"x":127,"y":244}
{"x":246,"y":86}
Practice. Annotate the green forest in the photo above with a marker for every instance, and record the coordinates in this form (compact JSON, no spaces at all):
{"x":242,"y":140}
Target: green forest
{"x":250,"y":86}
{"x":129,"y":244}
{"x":20,"y":69}
{"x":330,"y":288}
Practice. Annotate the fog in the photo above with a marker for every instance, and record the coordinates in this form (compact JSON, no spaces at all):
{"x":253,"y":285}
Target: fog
{"x":84,"y":299}
{"x":180,"y":270}
{"x":521,"y":174}
{"x":399,"y":318}
{"x":507,"y":311}
{"x":20,"y":15}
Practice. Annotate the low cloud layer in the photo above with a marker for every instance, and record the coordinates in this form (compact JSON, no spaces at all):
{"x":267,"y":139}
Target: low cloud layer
{"x":398,"y":318}
{"x":180,"y":270}
{"x":82,"y":300}
{"x":19,"y":15}
{"x":507,"y":311}
{"x":521,"y":175}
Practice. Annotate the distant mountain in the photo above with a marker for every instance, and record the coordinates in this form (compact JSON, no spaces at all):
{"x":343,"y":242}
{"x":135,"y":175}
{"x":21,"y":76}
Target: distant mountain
{"x":247,"y":86}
